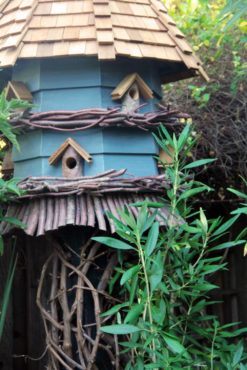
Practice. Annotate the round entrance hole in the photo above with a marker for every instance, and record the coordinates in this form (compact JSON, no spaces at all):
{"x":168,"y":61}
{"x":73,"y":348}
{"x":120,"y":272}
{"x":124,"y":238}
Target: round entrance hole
{"x":71,"y":163}
{"x":134,"y":93}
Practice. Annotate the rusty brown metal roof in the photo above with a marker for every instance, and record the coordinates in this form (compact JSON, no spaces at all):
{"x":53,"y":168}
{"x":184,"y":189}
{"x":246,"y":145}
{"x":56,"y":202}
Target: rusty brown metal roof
{"x":102,"y":28}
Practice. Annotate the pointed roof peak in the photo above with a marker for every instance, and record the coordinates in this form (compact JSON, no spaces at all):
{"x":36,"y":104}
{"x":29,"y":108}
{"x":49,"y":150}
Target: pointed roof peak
{"x":127,"y":82}
{"x":103,"y":28}
{"x":64,"y":146}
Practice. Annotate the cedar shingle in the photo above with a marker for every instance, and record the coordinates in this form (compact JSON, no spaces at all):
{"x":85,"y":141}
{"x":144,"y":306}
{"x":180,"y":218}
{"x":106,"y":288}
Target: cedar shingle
{"x":106,"y":28}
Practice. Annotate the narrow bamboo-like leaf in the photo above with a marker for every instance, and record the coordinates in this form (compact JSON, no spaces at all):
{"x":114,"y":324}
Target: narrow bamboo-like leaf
{"x":204,"y":221}
{"x":157,"y":271}
{"x":133,"y":288}
{"x":174,"y":344}
{"x":227,"y":245}
{"x":155,"y":365}
{"x":183,"y":137}
{"x":114,"y":309}
{"x":226,"y":226}
{"x":7,"y":292}
{"x":1,"y":245}
{"x":191,"y":192}
{"x":152,"y":239}
{"x":213,"y":268}
{"x":120,"y":329}
{"x":134,"y":313}
{"x":112,"y":243}
{"x":167,"y":135}
{"x":240,"y":210}
{"x":235,"y":333}
{"x":191,"y":229}
{"x":238,"y":193}
{"x":245,"y":249}
{"x":14,"y":221}
{"x":237,"y":355}
{"x":148,"y":203}
{"x":129,"y":274}
{"x":200,"y":162}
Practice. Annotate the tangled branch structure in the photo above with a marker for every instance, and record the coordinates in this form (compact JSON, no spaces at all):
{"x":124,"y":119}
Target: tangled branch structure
{"x":71,"y":121}
{"x":73,"y":336}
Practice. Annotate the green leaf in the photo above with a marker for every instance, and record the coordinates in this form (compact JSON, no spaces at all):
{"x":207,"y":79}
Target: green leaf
{"x":7,"y":291}
{"x":240,"y":210}
{"x":238,"y":193}
{"x":159,"y":313}
{"x":167,"y":135}
{"x":120,"y":329}
{"x":134,"y":313}
{"x":183,"y":137}
{"x":155,"y":365}
{"x":133,"y":288}
{"x":114,"y":309}
{"x":224,"y":227}
{"x":128,"y":274}
{"x":1,"y":245}
{"x":157,"y":271}
{"x":148,"y":203}
{"x":204,"y":221}
{"x":142,"y":219}
{"x":112,"y":243}
{"x":227,"y":245}
{"x":174,"y":344}
{"x":235,"y":333}
{"x":15,"y":221}
{"x":152,"y":239}
{"x":237,"y":355}
{"x":200,"y":162}
{"x":191,"y":192}
{"x":213,"y":268}
{"x":190,"y":229}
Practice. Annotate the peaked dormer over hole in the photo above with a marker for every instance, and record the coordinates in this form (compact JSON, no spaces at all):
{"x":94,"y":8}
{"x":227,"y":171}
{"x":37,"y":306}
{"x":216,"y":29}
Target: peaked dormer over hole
{"x":73,"y":157}
{"x":18,"y":90}
{"x":130,"y":90}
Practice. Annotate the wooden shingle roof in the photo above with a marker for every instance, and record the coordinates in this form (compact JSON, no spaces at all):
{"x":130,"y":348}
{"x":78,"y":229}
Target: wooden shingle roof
{"x":104,"y":28}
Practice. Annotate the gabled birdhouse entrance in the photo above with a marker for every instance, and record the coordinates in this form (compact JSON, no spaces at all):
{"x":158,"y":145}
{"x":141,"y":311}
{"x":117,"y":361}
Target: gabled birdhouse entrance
{"x":130,"y":90}
{"x":18,"y":90}
{"x":73,"y":157}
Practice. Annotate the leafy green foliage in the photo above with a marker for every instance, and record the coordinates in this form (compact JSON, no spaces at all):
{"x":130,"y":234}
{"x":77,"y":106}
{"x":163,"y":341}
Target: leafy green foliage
{"x":8,"y":189}
{"x":7,"y":291}
{"x":6,"y":108}
{"x":217,"y":32}
{"x":165,"y":282}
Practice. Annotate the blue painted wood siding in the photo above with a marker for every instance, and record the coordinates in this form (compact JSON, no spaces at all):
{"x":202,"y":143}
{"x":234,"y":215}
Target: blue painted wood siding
{"x":74,"y":83}
{"x":111,"y":148}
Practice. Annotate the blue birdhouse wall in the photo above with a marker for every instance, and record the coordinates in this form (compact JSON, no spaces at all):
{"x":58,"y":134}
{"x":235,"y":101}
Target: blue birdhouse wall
{"x":110,"y":148}
{"x":78,"y":83}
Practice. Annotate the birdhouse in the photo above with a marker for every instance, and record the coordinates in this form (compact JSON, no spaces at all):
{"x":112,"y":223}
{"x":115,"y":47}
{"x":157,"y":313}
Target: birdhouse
{"x":93,"y":70}
{"x":82,"y":55}
{"x":73,"y":157}
{"x":18,"y":90}
{"x":130,"y":90}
